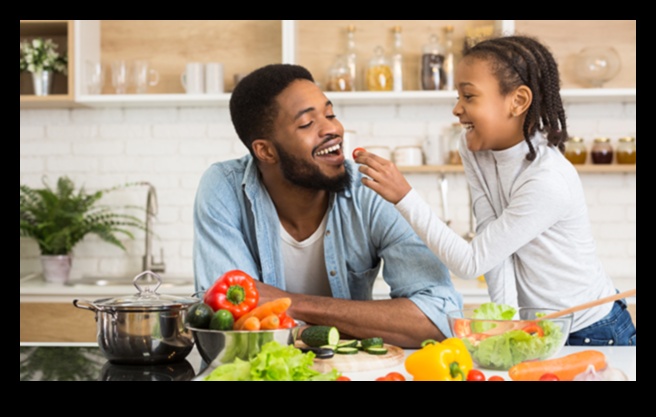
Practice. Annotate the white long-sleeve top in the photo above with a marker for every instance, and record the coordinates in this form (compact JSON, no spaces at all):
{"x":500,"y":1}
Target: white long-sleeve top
{"x":533,"y":238}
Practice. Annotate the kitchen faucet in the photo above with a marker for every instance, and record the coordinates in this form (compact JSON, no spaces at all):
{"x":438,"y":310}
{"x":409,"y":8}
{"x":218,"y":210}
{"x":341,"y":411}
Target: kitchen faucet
{"x":151,"y":211}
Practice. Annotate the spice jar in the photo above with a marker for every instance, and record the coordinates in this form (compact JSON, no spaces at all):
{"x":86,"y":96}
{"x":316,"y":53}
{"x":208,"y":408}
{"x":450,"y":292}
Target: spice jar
{"x":602,"y":151}
{"x":432,"y":65}
{"x":575,"y":150}
{"x":626,"y":150}
{"x":379,"y":72}
{"x":339,"y":76}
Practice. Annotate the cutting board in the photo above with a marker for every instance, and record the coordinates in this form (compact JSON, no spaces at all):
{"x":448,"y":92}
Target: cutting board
{"x":361,"y":361}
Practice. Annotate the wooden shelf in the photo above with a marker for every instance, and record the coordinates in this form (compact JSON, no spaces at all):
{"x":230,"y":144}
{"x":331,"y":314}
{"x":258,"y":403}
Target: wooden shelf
{"x":583,"y":169}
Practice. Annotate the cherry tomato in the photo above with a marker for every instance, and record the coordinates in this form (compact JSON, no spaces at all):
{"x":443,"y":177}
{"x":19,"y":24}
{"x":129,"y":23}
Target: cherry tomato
{"x":392,"y":376}
{"x":475,"y":375}
{"x":549,"y":377}
{"x":343,"y":378}
{"x":496,"y":378}
{"x":357,"y":150}
{"x":534,"y":329}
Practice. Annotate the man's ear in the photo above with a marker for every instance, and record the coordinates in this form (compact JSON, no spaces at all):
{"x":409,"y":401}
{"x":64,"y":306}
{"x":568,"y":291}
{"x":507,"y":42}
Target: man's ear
{"x":522,"y":99}
{"x":265,"y":151}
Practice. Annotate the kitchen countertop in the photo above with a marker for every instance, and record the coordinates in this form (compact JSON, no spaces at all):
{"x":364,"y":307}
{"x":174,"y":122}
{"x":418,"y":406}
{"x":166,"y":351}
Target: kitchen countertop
{"x":85,"y":362}
{"x":34,"y":289}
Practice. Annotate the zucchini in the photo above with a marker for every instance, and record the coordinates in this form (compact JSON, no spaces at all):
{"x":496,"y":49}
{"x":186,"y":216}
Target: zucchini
{"x":350,"y":350}
{"x":317,"y":336}
{"x":376,"y":350}
{"x":371,"y":342}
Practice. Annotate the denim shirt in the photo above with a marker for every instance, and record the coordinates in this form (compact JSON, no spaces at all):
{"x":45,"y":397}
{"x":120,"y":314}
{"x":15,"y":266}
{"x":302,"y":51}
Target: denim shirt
{"x":236,"y":226}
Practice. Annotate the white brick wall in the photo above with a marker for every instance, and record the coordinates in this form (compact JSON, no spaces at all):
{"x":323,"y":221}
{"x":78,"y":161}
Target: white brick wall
{"x":171,"y":147}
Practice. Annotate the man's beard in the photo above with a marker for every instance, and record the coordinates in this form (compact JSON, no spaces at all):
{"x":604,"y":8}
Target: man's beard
{"x":303,"y":174}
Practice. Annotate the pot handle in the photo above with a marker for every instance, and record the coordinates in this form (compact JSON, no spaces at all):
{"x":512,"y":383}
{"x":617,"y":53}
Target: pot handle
{"x":87,"y":305}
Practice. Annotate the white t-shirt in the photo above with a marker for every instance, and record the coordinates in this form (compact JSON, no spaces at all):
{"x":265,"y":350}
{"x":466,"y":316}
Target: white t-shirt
{"x":305,"y":263}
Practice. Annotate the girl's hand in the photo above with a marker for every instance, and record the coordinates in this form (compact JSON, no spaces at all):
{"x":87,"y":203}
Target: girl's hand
{"x":386,"y":179}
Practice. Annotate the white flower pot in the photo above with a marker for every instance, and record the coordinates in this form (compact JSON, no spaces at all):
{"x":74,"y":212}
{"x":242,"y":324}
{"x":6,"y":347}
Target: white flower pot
{"x":56,"y":268}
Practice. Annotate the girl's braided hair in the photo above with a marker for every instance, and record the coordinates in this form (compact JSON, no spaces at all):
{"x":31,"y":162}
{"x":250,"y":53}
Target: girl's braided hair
{"x":522,"y":60}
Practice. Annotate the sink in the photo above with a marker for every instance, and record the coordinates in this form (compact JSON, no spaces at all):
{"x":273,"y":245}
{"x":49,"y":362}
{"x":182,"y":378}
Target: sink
{"x":104,"y":281}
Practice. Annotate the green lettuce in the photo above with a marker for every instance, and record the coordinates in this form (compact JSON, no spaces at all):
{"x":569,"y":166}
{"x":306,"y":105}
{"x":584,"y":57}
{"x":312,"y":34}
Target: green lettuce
{"x":275,"y":362}
{"x":491,"y":311}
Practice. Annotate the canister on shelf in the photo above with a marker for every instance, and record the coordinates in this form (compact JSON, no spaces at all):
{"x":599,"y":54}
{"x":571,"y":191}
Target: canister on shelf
{"x":382,"y":151}
{"x":379,"y":72}
{"x":452,"y":138}
{"x":432,"y":65}
{"x":408,"y":156}
{"x":575,"y":150}
{"x":626,"y":150}
{"x":602,"y":151}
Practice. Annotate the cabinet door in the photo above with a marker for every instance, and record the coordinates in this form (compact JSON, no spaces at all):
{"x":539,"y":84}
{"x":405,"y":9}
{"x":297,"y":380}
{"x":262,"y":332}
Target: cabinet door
{"x":56,"y":322}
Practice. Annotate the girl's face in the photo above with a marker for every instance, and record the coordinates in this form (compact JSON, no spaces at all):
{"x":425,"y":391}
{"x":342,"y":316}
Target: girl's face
{"x":486,"y":115}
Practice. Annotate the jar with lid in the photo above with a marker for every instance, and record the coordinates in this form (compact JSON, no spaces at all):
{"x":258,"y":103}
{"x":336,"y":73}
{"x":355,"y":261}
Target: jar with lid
{"x":602,"y":151}
{"x":351,"y":58}
{"x":410,"y":155}
{"x":626,"y":151}
{"x":379,"y":72}
{"x":339,"y":76}
{"x":576,"y":151}
{"x":397,"y":59}
{"x":432,"y":65}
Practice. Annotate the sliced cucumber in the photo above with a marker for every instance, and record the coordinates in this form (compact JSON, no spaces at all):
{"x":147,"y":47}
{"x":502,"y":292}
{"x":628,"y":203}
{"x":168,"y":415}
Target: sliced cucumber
{"x":317,"y":336}
{"x":348,"y":343}
{"x":376,"y":350}
{"x":371,"y":342}
{"x":347,"y":350}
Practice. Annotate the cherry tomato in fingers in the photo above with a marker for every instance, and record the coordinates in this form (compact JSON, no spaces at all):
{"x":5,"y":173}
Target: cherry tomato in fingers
{"x":356,"y":150}
{"x":496,"y":378}
{"x":475,"y":375}
{"x":549,"y":377}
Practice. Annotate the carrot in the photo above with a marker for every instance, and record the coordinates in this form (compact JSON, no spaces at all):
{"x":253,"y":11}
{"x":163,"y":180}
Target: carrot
{"x":565,"y":367}
{"x":252,"y":323}
{"x":276,"y":306}
{"x":270,"y":322}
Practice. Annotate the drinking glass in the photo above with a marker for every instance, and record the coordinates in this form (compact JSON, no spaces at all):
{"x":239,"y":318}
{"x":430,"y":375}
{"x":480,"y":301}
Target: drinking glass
{"x":144,"y":76}
{"x":120,"y":76}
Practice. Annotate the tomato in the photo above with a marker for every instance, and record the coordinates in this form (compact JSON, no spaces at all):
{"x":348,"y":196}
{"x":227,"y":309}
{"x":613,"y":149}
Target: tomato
{"x":534,"y":329}
{"x":357,"y":150}
{"x":343,"y":378}
{"x":496,"y":378}
{"x":286,"y":322}
{"x":549,"y":377}
{"x":475,"y":375}
{"x":392,"y":376}
{"x":462,"y":328}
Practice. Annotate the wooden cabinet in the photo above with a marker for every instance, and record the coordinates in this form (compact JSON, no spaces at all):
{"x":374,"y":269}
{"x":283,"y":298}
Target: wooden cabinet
{"x":243,"y":45}
{"x":56,"y":322}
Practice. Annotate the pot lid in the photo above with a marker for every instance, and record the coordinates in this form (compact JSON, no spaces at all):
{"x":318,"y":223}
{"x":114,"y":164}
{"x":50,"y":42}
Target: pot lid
{"x":147,"y":298}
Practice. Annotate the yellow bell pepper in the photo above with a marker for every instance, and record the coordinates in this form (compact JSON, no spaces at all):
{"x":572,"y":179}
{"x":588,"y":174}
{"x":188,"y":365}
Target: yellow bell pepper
{"x":446,"y":361}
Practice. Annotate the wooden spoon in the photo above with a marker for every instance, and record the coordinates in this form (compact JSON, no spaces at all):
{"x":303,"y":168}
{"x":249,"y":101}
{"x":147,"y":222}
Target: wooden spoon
{"x":589,"y":304}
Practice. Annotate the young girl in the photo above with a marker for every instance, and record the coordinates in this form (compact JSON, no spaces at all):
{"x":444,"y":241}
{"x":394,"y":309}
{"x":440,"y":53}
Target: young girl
{"x":534,"y":243}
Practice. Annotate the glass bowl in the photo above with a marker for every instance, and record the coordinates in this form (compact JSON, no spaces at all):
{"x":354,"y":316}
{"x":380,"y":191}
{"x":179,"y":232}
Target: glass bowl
{"x":501,"y":344}
{"x":596,"y":65}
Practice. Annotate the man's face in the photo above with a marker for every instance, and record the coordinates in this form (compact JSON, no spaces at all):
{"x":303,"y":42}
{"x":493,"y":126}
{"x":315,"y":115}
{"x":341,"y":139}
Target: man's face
{"x":308,"y":139}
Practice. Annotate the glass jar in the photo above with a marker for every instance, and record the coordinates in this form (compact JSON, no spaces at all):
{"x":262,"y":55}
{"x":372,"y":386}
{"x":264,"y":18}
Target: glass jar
{"x":432,"y":65}
{"x":379,"y":72}
{"x":626,"y":150}
{"x":339,"y":76}
{"x":575,"y":150}
{"x":602,"y":151}
{"x":452,"y":135}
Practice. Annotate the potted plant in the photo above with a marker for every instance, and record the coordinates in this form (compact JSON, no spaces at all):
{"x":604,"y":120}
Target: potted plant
{"x":58,"y":219}
{"x":40,"y":57}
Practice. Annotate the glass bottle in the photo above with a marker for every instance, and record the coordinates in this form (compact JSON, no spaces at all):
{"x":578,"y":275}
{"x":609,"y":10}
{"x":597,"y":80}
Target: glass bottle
{"x":575,"y":150}
{"x":397,"y":59}
{"x":626,"y":150}
{"x":351,"y":56}
{"x":449,"y":58}
{"x":339,"y":76}
{"x":379,"y":72}
{"x":432,"y":61}
{"x":454,"y":132}
{"x":602,"y":151}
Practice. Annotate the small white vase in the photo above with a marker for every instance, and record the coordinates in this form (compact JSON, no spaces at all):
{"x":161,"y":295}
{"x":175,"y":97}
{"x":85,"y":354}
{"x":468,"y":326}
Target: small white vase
{"x":56,"y":268}
{"x":42,"y":82}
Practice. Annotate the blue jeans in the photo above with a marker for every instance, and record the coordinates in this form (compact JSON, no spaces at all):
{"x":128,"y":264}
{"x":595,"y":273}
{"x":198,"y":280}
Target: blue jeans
{"x":615,"y":329}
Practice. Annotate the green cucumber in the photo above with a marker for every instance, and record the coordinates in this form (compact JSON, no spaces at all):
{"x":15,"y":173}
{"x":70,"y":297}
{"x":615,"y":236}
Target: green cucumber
{"x":348,"y":343}
{"x":376,"y":350}
{"x":347,"y":350}
{"x":371,"y":342}
{"x":317,"y":336}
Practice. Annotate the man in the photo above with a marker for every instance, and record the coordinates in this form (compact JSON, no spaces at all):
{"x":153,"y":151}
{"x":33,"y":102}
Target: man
{"x":294,"y":215}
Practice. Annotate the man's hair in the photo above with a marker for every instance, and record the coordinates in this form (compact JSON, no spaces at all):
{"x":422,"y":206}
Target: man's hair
{"x":518,"y":60}
{"x":253,"y":107}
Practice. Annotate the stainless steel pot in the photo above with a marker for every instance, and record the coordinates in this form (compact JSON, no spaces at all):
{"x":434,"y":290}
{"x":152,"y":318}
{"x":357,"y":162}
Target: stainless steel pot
{"x":146,"y":328}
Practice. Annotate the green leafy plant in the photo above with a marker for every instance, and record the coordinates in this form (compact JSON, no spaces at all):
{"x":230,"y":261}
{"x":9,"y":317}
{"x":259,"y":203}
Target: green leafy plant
{"x":41,"y":55}
{"x":58,"y":219}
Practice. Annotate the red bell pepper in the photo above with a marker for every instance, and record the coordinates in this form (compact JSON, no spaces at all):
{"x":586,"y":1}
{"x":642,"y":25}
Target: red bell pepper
{"x":234,"y":291}
{"x":534,"y":329}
